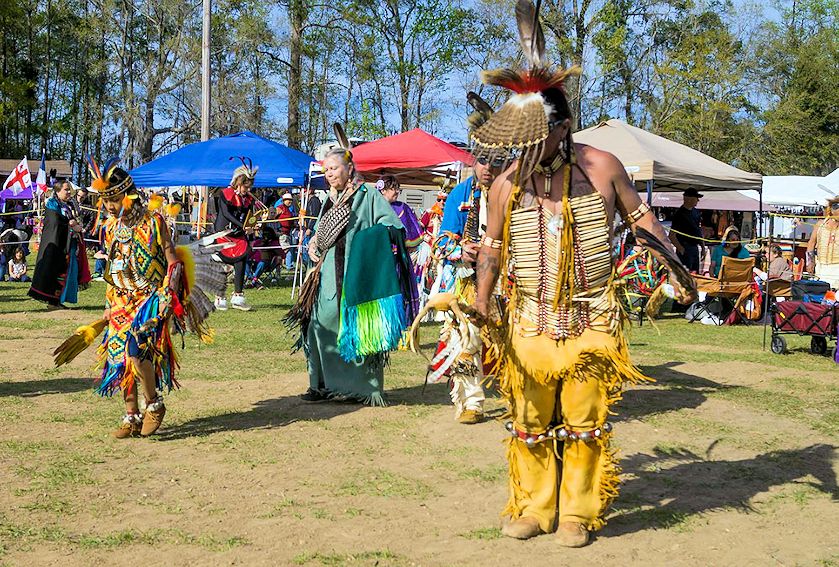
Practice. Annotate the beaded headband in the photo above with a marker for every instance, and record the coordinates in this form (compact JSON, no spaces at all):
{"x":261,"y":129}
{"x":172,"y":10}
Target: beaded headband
{"x":101,"y":183}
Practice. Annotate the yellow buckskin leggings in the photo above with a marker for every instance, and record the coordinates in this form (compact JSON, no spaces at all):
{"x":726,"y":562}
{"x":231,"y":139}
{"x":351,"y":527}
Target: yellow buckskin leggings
{"x":571,"y":384}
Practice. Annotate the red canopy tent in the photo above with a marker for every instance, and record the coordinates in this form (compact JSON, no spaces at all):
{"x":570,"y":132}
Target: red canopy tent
{"x":414,"y":157}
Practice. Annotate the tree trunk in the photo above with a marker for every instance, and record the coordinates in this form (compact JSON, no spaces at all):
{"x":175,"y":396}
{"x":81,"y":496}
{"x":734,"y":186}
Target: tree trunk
{"x":296,"y":18}
{"x":45,"y":120}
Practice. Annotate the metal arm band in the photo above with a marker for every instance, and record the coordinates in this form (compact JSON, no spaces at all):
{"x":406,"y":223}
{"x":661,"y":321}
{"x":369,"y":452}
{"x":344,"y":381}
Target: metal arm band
{"x":491,"y":243}
{"x":638,"y":213}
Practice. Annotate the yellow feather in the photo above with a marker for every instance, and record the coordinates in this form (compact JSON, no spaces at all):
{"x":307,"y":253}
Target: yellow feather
{"x":78,"y":342}
{"x":185,"y":256}
{"x":173,"y":209}
{"x":655,"y":303}
{"x":155,"y":202}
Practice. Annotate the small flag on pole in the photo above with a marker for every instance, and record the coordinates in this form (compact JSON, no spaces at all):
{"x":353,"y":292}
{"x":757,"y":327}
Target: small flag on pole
{"x":41,"y":179}
{"x":19,"y":179}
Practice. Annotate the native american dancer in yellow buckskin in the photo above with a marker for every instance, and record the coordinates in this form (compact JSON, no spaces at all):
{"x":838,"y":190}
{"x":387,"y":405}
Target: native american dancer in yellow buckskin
{"x":151,"y":287}
{"x":563,"y":356}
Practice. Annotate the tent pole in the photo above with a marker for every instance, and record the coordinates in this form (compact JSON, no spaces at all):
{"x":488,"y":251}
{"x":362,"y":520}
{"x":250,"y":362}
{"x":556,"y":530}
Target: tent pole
{"x":298,"y":262}
{"x":760,"y":201}
{"x":767,"y":301}
{"x":201,"y":201}
{"x":649,"y":192}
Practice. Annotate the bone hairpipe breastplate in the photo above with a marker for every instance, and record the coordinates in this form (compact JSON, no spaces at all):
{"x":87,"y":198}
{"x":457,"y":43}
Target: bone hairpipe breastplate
{"x":536,"y":249}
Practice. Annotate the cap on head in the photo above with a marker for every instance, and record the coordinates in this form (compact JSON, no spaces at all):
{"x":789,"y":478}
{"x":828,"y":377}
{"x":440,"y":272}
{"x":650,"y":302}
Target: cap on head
{"x":693,"y":193}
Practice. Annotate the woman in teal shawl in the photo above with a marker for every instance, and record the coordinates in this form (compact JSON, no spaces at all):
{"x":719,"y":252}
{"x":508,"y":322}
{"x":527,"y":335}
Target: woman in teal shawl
{"x":330,"y":376}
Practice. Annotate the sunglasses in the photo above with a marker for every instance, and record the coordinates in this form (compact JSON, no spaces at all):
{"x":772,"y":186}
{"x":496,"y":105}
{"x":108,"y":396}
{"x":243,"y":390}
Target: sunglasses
{"x":834,"y":206}
{"x":440,"y":200}
{"x":495,"y":163}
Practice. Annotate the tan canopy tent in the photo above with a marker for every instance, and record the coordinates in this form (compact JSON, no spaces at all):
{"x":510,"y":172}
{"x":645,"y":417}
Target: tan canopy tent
{"x":666,"y":164}
{"x":712,"y":200}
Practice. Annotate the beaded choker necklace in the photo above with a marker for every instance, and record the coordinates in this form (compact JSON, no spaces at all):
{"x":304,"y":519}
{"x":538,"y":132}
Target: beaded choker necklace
{"x":548,"y":171}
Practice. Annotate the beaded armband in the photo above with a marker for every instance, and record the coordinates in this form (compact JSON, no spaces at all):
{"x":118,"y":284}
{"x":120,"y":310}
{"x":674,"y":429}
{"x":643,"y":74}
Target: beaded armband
{"x":491,"y":243}
{"x":638,"y":213}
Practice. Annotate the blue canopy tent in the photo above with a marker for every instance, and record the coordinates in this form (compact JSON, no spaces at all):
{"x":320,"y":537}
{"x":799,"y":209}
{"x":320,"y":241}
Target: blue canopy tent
{"x":209,"y":164}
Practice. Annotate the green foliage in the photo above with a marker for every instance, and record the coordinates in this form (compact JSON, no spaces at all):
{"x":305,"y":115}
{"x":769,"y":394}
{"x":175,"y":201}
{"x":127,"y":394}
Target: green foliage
{"x":747,"y":86}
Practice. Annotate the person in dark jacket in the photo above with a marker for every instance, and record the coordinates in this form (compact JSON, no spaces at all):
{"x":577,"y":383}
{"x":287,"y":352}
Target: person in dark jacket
{"x":686,"y":231}
{"x":61,"y":269}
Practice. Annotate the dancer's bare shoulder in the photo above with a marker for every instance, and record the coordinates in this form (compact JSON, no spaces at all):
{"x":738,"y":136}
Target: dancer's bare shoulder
{"x":502,"y":186}
{"x":599,"y":165}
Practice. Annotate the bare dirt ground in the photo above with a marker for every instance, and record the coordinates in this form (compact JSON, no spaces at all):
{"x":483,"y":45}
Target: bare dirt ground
{"x":729,"y":459}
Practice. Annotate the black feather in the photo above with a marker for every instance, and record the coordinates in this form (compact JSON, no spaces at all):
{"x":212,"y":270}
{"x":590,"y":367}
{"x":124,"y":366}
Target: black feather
{"x":479,"y":104}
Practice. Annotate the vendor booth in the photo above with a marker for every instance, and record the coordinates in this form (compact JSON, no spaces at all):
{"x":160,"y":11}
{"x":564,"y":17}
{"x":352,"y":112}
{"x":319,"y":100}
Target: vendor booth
{"x":658,"y":164}
{"x":415,"y":157}
{"x":209,"y":163}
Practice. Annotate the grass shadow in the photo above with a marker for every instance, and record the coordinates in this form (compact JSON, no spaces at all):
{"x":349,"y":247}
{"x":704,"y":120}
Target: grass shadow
{"x":672,"y":390}
{"x":280,"y":412}
{"x":665,"y":495}
{"x":34,"y":388}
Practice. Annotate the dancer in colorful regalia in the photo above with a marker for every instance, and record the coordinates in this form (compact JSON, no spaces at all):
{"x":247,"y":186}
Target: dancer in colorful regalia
{"x":390,"y":189}
{"x":236,"y":206}
{"x":359,"y":297}
{"x":427,"y":261}
{"x":464,"y":222}
{"x":562,"y":355}
{"x":149,"y":293}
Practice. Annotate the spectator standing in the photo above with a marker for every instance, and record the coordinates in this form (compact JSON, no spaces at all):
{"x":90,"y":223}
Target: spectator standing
{"x":285,"y":210}
{"x":686,"y":231}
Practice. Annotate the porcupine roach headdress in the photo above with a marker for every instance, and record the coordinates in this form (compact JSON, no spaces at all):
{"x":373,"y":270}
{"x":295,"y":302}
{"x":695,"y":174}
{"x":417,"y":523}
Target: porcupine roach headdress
{"x":247,"y":168}
{"x":522,"y":126}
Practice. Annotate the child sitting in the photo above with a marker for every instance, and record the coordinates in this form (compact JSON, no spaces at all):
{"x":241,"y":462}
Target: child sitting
{"x":264,"y":250}
{"x":17,"y":267}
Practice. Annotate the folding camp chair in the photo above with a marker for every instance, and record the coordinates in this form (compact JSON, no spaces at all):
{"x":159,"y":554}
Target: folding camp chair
{"x":729,"y":288}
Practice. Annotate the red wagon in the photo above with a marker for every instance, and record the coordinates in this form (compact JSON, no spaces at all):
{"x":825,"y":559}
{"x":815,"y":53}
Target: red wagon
{"x":804,"y":319}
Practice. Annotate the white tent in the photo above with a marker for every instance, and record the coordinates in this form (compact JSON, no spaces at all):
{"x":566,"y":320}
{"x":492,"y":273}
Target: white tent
{"x":799,"y":190}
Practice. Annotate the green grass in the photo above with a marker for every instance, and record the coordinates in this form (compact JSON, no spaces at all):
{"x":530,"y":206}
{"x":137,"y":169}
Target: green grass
{"x":483,"y":534}
{"x":380,"y":557}
{"x":246,"y":438}
{"x":694,"y":342}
